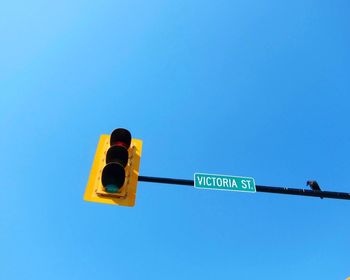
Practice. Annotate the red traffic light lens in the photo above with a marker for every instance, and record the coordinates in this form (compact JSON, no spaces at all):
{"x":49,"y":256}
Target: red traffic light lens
{"x":121,"y":137}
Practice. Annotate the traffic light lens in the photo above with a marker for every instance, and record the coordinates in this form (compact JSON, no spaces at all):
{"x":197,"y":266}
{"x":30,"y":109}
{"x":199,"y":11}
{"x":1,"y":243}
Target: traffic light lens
{"x":117,"y":154}
{"x":112,"y":189}
{"x":121,"y":136}
{"x":113,"y":177}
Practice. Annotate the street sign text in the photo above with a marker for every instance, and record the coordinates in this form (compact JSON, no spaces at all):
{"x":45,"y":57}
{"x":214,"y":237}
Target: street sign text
{"x":224,"y":182}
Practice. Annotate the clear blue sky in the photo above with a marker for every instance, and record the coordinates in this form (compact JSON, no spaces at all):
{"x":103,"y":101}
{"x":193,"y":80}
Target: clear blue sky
{"x":250,"y":88}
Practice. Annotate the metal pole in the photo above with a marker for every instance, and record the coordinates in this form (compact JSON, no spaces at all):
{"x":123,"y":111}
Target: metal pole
{"x":267,"y":189}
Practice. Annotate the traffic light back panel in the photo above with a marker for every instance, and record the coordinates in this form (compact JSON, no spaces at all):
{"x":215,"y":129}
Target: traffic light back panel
{"x":95,"y":191}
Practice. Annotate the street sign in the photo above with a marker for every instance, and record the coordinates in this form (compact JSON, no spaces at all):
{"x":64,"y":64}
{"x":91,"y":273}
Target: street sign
{"x":224,"y":182}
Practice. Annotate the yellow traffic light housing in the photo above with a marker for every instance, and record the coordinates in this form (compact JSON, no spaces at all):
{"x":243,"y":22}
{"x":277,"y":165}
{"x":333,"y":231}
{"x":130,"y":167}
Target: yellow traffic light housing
{"x":115,"y":169}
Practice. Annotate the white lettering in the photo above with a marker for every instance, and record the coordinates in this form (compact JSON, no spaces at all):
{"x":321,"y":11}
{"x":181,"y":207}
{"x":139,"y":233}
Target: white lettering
{"x":219,"y":182}
{"x":207,"y":181}
{"x":200,"y":180}
{"x":249,"y":187}
{"x":234,"y":184}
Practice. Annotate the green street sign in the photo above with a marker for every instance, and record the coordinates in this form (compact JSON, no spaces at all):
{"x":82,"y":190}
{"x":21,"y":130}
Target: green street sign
{"x":224,"y":182}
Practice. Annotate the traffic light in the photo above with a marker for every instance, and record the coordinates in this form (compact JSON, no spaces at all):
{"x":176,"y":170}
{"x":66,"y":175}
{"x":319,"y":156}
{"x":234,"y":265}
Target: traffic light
{"x":114,"y":173}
